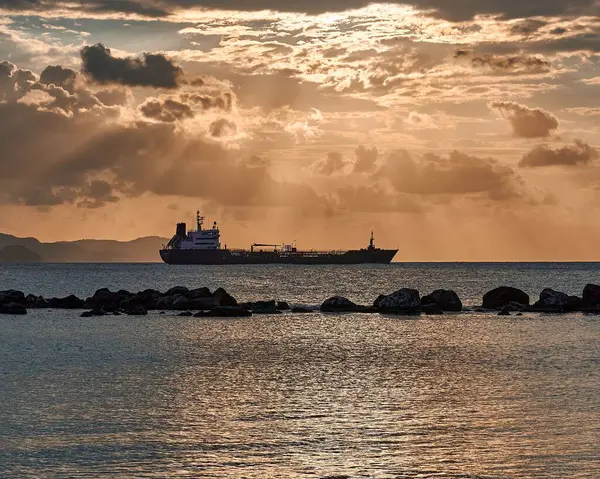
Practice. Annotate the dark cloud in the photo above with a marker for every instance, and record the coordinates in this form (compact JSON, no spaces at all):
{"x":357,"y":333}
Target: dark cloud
{"x":506,"y":63}
{"x":222,"y":127}
{"x":151,"y":69}
{"x":526,"y":122}
{"x":457,"y":10}
{"x":527,"y":27}
{"x":572,"y":155}
{"x":59,"y":76}
{"x":167,"y":110}
{"x":366,"y":159}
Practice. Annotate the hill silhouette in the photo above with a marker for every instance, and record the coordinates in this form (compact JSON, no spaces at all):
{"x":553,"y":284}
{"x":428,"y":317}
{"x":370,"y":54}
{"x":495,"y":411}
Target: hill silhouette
{"x":21,"y":250}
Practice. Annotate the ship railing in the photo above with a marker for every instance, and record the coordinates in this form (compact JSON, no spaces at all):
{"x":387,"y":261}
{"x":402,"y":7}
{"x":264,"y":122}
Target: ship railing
{"x":304,"y":254}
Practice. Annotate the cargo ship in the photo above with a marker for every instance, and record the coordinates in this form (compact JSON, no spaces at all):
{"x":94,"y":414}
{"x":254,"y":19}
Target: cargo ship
{"x":203,"y":246}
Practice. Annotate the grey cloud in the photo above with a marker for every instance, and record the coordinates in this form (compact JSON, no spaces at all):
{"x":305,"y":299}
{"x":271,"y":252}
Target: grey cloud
{"x":506,"y":63}
{"x":59,"y":76}
{"x":167,"y":110}
{"x":456,"y":10}
{"x":579,"y":153}
{"x":526,"y":122}
{"x":527,"y":27}
{"x":151,"y":69}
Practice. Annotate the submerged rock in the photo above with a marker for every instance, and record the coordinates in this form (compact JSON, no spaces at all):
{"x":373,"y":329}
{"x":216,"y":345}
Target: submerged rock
{"x":402,"y":301}
{"x":432,"y":309}
{"x":301,"y":310}
{"x":13,"y":308}
{"x":283,"y":306}
{"x":505,"y":311}
{"x":32,"y":301}
{"x":186,"y":314}
{"x":446,"y":300}
{"x":339,"y":304}
{"x":135,"y":310}
{"x":264,"y":307}
{"x":555,"y":301}
{"x":504,"y":295}
{"x":225,"y":312}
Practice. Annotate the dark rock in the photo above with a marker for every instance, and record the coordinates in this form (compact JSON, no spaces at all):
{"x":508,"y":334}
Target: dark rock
{"x":301,"y":310}
{"x":500,"y":297}
{"x":93,"y":312}
{"x":283,"y":306}
{"x":402,"y":301}
{"x":86,"y":314}
{"x":591,"y":296}
{"x":199,"y":293}
{"x":70,"y":302}
{"x":13,"y":308}
{"x":183,"y":303}
{"x":505,"y":311}
{"x":116,"y":313}
{"x":446,"y":300}
{"x":432,"y":309}
{"x":264,"y":307}
{"x":11,"y":296}
{"x":148,"y":299}
{"x":224,"y":298}
{"x":135,"y":310}
{"x":338,"y":304}
{"x":224,"y":312}
{"x":519,"y":314}
{"x":107,"y":300}
{"x":555,"y":301}
{"x":177,"y":290}
{"x":162,"y":312}
{"x":186,"y":313}
{"x":32,"y":301}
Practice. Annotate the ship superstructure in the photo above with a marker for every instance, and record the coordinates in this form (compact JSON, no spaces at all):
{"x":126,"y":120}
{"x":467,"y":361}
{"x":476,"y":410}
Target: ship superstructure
{"x":203,"y":246}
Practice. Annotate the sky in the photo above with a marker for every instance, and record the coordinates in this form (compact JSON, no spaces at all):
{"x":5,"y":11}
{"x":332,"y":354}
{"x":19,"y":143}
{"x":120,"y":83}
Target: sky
{"x":457,"y":130}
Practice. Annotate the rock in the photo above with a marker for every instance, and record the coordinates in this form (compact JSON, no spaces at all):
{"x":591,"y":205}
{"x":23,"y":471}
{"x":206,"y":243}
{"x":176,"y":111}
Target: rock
{"x":186,"y":313}
{"x":555,"y":301}
{"x":519,"y":314}
{"x":301,"y":310}
{"x":505,"y":311}
{"x":283,"y":306}
{"x":116,"y":313}
{"x":432,"y":309}
{"x":70,"y":302}
{"x":135,"y":310}
{"x":32,"y":301}
{"x":13,"y":308}
{"x":264,"y":307}
{"x":591,"y":296}
{"x":224,"y":298}
{"x":86,"y":314}
{"x":177,"y":290}
{"x":224,"y":312}
{"x":148,"y":299}
{"x":446,"y":300}
{"x":402,"y":301}
{"x":162,"y":312}
{"x":500,"y":297}
{"x":183,"y":303}
{"x":107,"y":300}
{"x":339,"y":304}
{"x":199,"y":293}
{"x":166,"y":302}
{"x":11,"y":296}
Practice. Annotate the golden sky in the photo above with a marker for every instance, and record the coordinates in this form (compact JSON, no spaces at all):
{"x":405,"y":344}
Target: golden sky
{"x":459,"y":130}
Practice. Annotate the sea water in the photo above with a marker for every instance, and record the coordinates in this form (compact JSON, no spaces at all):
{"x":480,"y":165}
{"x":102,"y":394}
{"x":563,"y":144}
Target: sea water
{"x":467,"y":395}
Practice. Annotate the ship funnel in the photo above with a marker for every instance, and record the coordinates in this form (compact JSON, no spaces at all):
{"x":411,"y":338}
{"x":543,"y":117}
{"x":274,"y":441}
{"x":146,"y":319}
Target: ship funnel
{"x":181,"y":231}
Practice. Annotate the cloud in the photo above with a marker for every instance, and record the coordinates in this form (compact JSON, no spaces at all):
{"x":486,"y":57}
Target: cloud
{"x":366,"y":159}
{"x":572,"y":155}
{"x":333,"y":163}
{"x":222,"y":127}
{"x":458,"y":174}
{"x":59,"y":76}
{"x":167,"y":110}
{"x":456,"y":11}
{"x":526,"y":122}
{"x":505,"y":63}
{"x":151,"y":69}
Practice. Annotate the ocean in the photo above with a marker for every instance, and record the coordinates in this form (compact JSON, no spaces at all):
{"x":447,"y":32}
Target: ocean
{"x":465,"y":395}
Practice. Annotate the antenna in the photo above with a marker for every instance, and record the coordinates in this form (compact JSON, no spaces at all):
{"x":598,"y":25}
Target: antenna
{"x":372,"y":241}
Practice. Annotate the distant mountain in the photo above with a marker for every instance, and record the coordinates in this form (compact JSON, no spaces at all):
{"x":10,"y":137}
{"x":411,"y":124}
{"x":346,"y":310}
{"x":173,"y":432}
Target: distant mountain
{"x":141,"y":250}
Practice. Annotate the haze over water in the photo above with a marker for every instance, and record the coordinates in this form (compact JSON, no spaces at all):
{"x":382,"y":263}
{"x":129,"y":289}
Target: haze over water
{"x":368,"y":396}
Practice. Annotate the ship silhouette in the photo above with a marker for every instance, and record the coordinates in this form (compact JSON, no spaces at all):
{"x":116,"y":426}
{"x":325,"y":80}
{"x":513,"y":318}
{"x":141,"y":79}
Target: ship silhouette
{"x":203,"y":246}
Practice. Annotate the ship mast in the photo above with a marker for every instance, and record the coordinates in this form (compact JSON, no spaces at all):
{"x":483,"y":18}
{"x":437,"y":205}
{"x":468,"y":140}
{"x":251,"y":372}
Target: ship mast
{"x":372,"y":241}
{"x":199,"y":220}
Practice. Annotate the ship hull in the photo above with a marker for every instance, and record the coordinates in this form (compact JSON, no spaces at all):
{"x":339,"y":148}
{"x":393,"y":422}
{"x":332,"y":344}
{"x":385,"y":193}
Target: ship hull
{"x":223,"y":256}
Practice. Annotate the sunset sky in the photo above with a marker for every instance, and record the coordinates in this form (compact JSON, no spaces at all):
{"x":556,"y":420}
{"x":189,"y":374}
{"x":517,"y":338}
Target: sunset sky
{"x":457,"y":129}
